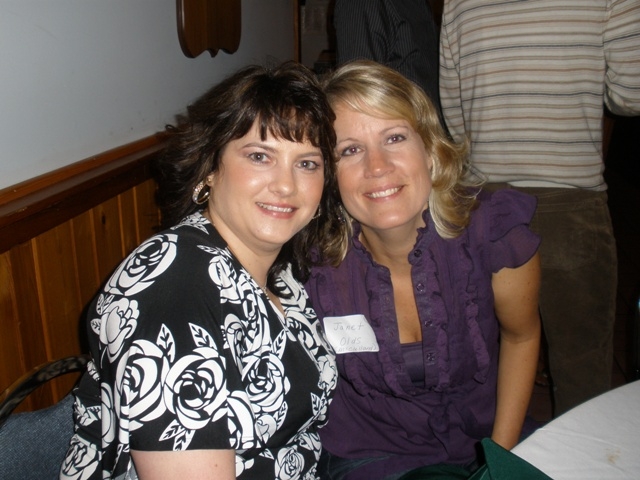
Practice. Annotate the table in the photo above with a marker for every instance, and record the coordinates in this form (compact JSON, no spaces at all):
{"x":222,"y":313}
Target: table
{"x":599,"y":439}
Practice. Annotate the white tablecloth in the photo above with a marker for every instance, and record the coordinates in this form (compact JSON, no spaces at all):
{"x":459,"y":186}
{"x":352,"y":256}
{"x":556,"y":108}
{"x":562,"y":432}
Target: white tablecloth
{"x":599,"y":439}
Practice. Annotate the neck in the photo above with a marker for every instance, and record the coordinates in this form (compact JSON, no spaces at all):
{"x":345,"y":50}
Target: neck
{"x":392,"y":246}
{"x":389,"y":247}
{"x":254,"y":262}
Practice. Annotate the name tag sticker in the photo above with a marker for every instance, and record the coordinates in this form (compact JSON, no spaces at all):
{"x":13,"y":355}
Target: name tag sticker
{"x":350,"y":334}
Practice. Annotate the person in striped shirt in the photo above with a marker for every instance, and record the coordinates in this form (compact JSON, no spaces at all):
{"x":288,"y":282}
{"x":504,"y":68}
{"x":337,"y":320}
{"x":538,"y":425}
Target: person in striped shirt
{"x":525,"y":81}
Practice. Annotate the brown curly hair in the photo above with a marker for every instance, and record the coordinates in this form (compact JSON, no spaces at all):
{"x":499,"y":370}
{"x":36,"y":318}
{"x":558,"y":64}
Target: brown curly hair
{"x":288,"y":103}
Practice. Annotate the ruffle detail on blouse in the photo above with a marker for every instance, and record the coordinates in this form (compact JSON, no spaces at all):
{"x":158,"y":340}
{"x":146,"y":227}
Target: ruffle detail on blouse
{"x":390,"y":354}
{"x":511,"y":242}
{"x":465,"y":334}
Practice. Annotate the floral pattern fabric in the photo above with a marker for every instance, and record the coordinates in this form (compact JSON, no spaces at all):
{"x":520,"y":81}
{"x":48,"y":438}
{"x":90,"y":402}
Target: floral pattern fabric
{"x":188,"y":353}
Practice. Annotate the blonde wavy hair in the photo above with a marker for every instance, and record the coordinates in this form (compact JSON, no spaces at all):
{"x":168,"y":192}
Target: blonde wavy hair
{"x":373,"y":89}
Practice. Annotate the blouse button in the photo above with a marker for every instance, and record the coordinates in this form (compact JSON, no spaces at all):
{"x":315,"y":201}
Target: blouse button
{"x":420,"y":287}
{"x":431,"y":356}
{"x":417,"y":253}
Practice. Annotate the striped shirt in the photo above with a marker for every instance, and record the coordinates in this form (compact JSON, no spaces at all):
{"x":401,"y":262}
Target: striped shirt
{"x":525,"y":80}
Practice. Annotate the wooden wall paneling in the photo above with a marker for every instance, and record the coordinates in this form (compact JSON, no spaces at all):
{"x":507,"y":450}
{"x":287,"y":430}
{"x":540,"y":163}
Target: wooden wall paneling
{"x":57,"y":277}
{"x":35,"y":206}
{"x":11,"y":356}
{"x":29,"y":319}
{"x":86,"y":257}
{"x":61,"y":236}
{"x":108,"y":234}
{"x":128,"y":221}
{"x":28,"y":304}
{"x":148,"y":213}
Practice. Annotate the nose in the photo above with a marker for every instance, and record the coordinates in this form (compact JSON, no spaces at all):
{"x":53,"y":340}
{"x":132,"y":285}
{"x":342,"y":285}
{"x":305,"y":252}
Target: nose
{"x":377,"y":162}
{"x":283,"y":182}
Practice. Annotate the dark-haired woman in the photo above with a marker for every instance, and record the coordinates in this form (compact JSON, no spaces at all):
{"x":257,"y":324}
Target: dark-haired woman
{"x":208,"y":361}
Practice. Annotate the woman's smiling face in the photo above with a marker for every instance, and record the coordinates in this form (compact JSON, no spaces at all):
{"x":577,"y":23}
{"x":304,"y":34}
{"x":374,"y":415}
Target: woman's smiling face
{"x":265,"y":191}
{"x":383,"y":170}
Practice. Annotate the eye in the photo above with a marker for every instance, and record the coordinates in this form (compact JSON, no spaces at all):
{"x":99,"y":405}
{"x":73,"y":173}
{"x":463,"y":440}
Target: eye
{"x":349,"y":151}
{"x":310,"y":165}
{"x":258,"y":157}
{"x":396,"y":138}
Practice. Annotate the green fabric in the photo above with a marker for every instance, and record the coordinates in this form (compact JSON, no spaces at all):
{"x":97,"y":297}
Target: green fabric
{"x":500,"y":464}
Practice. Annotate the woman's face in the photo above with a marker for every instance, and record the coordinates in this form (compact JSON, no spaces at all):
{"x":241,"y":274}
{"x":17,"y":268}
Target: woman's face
{"x":383,"y":170}
{"x":265,"y":191}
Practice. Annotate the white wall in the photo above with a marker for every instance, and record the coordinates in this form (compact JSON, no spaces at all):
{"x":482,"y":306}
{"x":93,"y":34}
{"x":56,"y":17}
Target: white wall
{"x":78,"y":77}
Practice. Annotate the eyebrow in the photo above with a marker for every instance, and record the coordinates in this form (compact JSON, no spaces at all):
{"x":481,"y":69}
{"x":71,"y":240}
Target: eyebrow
{"x":405,"y":125}
{"x":260,"y":145}
{"x":348,"y":139}
{"x":315,"y":153}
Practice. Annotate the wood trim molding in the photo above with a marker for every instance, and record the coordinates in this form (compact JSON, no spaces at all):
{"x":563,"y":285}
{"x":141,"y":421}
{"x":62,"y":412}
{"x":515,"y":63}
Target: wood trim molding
{"x":37,"y":205}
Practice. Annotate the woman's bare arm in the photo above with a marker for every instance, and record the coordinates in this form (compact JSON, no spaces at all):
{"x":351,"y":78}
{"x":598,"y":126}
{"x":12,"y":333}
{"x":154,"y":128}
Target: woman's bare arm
{"x":188,"y":464}
{"x":516,"y":305}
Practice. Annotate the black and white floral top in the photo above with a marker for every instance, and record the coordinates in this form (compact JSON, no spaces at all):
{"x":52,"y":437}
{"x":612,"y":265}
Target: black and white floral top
{"x":190,"y":354}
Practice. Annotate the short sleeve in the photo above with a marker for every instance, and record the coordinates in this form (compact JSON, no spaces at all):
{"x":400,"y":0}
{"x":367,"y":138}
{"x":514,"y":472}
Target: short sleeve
{"x":511,"y":242}
{"x":171,"y":377}
{"x":621,"y":38}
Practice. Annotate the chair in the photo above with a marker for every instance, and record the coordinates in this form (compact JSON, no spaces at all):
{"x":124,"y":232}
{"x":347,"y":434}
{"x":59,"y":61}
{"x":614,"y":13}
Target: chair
{"x":33,"y":444}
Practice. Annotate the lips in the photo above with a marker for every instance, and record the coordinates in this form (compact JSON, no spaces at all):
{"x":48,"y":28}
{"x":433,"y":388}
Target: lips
{"x":275,"y":208}
{"x":384,"y":193}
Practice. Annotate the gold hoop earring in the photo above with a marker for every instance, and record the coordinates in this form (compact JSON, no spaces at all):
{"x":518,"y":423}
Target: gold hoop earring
{"x":199,"y":197}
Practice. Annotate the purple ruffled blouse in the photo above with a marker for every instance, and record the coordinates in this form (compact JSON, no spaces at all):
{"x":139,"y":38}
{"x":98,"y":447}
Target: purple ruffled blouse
{"x":377,"y":410}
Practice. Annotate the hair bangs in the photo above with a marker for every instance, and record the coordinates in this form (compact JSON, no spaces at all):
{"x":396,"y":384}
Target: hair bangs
{"x":289,"y":123}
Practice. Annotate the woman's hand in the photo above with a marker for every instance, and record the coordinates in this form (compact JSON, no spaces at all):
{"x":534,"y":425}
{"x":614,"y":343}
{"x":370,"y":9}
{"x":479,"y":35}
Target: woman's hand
{"x":188,"y":464}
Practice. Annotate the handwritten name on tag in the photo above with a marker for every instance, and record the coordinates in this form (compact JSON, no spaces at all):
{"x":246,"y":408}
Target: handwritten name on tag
{"x":350,"y":334}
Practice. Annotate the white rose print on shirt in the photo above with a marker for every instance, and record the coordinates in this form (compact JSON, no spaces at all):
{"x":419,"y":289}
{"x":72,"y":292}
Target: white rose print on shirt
{"x":82,"y":459}
{"x":118,"y":321}
{"x":141,"y":375}
{"x":146,"y":263}
{"x":191,"y":376}
{"x":289,"y":464}
{"x":197,"y":221}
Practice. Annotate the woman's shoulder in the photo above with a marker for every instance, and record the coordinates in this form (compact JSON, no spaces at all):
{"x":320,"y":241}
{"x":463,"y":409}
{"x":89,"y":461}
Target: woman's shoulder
{"x":506,"y":198}
{"x":503,"y":209}
{"x":172,"y":254}
{"x":502,"y":225}
{"x":193,"y":232}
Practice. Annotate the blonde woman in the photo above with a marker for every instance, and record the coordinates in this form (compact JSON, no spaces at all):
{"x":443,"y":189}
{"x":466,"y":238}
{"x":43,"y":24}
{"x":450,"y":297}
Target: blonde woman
{"x":433,"y":312}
